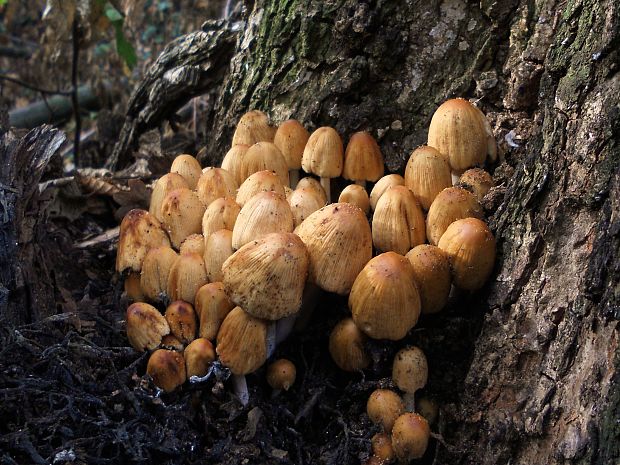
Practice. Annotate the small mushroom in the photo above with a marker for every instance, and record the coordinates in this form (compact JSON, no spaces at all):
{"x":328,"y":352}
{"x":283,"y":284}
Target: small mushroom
{"x":431,"y":270}
{"x":188,"y":167}
{"x":199,"y":355}
{"x":346,"y":346}
{"x":281,"y":374}
{"x":478,"y":181}
{"x":427,"y":174}
{"x":410,"y":436}
{"x":382,"y":185}
{"x":155,"y":272}
{"x":182,"y":321}
{"x":163,"y":186}
{"x":145,"y":326}
{"x":170,"y":342}
{"x":253,"y":127}
{"x":291,"y":138}
{"x":324,"y":156}
{"x":167,"y":368}
{"x":233,"y":162}
{"x":384,"y":407}
{"x":356,"y":195}
{"x":261,"y":181}
{"x":410,"y":373}
{"x":212,"y":306}
{"x":451,"y":204}
{"x":220,"y":214}
{"x":310,"y":183}
{"x":304,"y":202}
{"x":186,"y":276}
{"x":218,"y":248}
{"x":195,"y":243}
{"x":139,"y":232}
{"x":381,"y":446}
{"x":215,"y":183}
{"x":362,"y":160}
{"x":132,"y":287}
{"x":265,"y":156}
{"x":182,"y":213}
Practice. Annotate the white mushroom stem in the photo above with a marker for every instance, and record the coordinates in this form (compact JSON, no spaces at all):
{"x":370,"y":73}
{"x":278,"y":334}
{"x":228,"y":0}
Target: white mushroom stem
{"x":293,"y":176}
{"x":326,"y":185}
{"x":272,"y":340}
{"x":284,"y":327}
{"x":455,"y":178}
{"x":241,"y":389}
{"x":409,"y":401}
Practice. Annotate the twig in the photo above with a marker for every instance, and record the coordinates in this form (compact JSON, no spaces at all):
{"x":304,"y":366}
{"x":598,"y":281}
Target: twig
{"x":27,"y":85}
{"x":74,"y":92}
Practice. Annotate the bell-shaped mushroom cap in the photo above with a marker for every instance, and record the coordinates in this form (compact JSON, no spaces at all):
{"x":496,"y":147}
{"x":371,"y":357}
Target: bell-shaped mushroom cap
{"x":187,"y":275}
{"x":253,"y":127}
{"x":291,"y":138}
{"x":155,"y":272}
{"x":382,"y":185}
{"x":193,"y":244}
{"x":362,"y":160}
{"x":451,"y":204}
{"x":431,"y":270}
{"x":324,"y":153}
{"x":427,"y":174}
{"x":233,"y":162}
{"x":181,"y":318}
{"x":470,"y":247}
{"x":215,"y":183}
{"x":163,"y":186}
{"x":265,"y":156}
{"x":171,"y":343}
{"x":477,"y":181}
{"x":310,"y":183}
{"x":212,"y":306}
{"x":264,"y":213}
{"x":398,"y":221}
{"x":198,"y":356}
{"x":217,"y":250}
{"x":457,"y":131}
{"x":261,"y":181}
{"x":266,"y":277}
{"x":182,"y":211}
{"x":381,"y":447}
{"x":188,"y":167}
{"x":281,"y":374}
{"x":242,"y":342}
{"x":356,"y":195}
{"x":145,"y":326}
{"x":384,"y":299}
{"x":384,"y":407}
{"x":410,"y":436}
{"x":410,"y":369}
{"x":139,"y":232}
{"x":303,"y":203}
{"x":221,"y":214}
{"x":346,"y":346}
{"x":167,"y":368}
{"x":339,"y":243}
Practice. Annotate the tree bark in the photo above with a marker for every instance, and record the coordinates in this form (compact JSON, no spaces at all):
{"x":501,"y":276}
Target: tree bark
{"x":537,"y":380}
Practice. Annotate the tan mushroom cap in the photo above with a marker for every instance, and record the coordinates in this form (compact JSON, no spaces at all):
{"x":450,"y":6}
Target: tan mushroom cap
{"x":266,"y":277}
{"x":310,"y":183}
{"x":410,"y":436}
{"x":265,"y":156}
{"x":470,"y":247}
{"x":431,"y":270}
{"x":188,"y":167}
{"x":182,"y":212}
{"x":163,"y":186}
{"x":265,"y":213}
{"x":303,"y":203}
{"x":427,"y":174}
{"x":155,"y":272}
{"x":218,"y":248}
{"x":384,"y":407}
{"x":356,"y":195}
{"x":410,"y":369}
{"x":339,"y":244}
{"x":451,"y":204}
{"x":212,"y":306}
{"x":187,"y":275}
{"x":215,"y":183}
{"x":194,"y":243}
{"x":398,"y":221}
{"x":199,"y":355}
{"x":261,"y":181}
{"x":362,"y":160}
{"x":221,"y":214}
{"x":478,"y":181}
{"x":346,"y":346}
{"x":233,"y":162}
{"x":181,"y":318}
{"x":384,"y":299}
{"x":381,"y":446}
{"x":145,"y":326}
{"x":281,"y":374}
{"x":291,"y":138}
{"x":167,"y":368}
{"x":382,"y":185}
{"x":324,"y":153}
{"x":139,"y":232}
{"x":242,"y":342}
{"x":458,"y":132}
{"x":253,"y":127}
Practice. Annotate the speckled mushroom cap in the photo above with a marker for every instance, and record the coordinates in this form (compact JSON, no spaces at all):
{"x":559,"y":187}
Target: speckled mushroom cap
{"x":145,"y":326}
{"x":164,"y":185}
{"x":427,"y":174}
{"x":451,"y":204}
{"x":410,"y":369}
{"x":261,"y":181}
{"x":233,"y":162}
{"x":266,"y":277}
{"x":139,"y":232}
{"x":188,"y":167}
{"x":362,"y":160}
{"x":382,"y":185}
{"x":324,"y":153}
{"x":253,"y":127}
{"x":221,"y":214}
{"x":215,"y":183}
{"x":339,"y":243}
{"x":265,"y":156}
{"x":431,"y":270}
{"x":291,"y":138}
{"x":182,"y":213}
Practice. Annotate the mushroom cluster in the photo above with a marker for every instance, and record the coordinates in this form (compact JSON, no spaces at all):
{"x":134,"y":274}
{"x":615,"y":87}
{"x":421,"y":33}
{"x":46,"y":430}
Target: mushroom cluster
{"x":228,"y":257}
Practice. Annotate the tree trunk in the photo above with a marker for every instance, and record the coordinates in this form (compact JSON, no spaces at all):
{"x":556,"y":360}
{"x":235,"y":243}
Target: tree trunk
{"x":537,"y":376}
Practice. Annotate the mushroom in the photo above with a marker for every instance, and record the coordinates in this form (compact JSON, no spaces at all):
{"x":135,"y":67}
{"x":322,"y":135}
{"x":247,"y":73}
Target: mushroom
{"x":382,"y":185}
{"x":194,"y":243}
{"x":431,"y":271}
{"x":260,"y":181}
{"x":212,"y":306}
{"x":139,"y":232}
{"x":427,"y":174}
{"x":281,"y":375}
{"x":218,"y":248}
{"x":384,"y":407}
{"x":266,"y":277}
{"x":220,"y":214}
{"x":398,"y":221}
{"x":233,"y":162}
{"x":265,"y":156}
{"x":384,"y":299}
{"x":310,"y":183}
{"x":381,"y":446}
{"x":339,"y":244}
{"x":186,"y":276}
{"x":145,"y":326}
{"x":304,"y":202}
{"x":171,"y":343}
{"x":451,"y":204}
{"x":356,"y":195}
{"x":181,"y":318}
{"x":470,"y":247}
{"x":167,"y":368}
{"x":410,"y":437}
{"x":346,"y":346}
{"x":182,"y":213}
{"x":164,"y":185}
{"x":155,"y":272}
{"x":478,"y":181}
{"x":362,"y":160}
{"x":265,"y":213}
{"x":323,"y":156}
{"x":291,"y":138}
{"x":215,"y":183}
{"x":253,"y":127}
{"x":410,"y":373}
{"x":188,"y":167}
{"x":199,"y":355}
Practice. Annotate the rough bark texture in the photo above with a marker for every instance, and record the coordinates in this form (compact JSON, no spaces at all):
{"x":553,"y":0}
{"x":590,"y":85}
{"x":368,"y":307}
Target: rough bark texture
{"x":543,"y":381}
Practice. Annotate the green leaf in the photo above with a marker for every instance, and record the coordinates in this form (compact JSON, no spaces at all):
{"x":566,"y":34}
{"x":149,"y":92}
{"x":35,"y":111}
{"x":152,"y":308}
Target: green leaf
{"x":3,"y":2}
{"x":123,"y":47}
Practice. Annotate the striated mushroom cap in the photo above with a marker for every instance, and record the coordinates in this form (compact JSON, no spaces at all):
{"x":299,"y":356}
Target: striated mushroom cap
{"x":215,"y":183}
{"x":163,"y":186}
{"x":253,"y":127}
{"x":260,"y":181}
{"x":212,"y":306}
{"x":312,"y":184}
{"x":217,"y":250}
{"x":188,"y":167}
{"x":382,"y":185}
{"x":199,"y":355}
{"x":362,"y":160}
{"x":187,"y":275}
{"x":181,"y":318}
{"x":167,"y":368}
{"x":182,"y":211}
{"x":145,"y":326}
{"x":233,"y":162}
{"x":431,"y":270}
{"x":346,"y":346}
{"x":139,"y":232}
{"x":194,"y":243}
{"x":303,"y":203}
{"x":451,"y":204}
{"x":220,"y":214}
{"x":265,"y":156}
{"x":427,"y":174}
{"x":291,"y":138}
{"x":155,"y":272}
{"x":324,"y":153}
{"x":356,"y":195}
